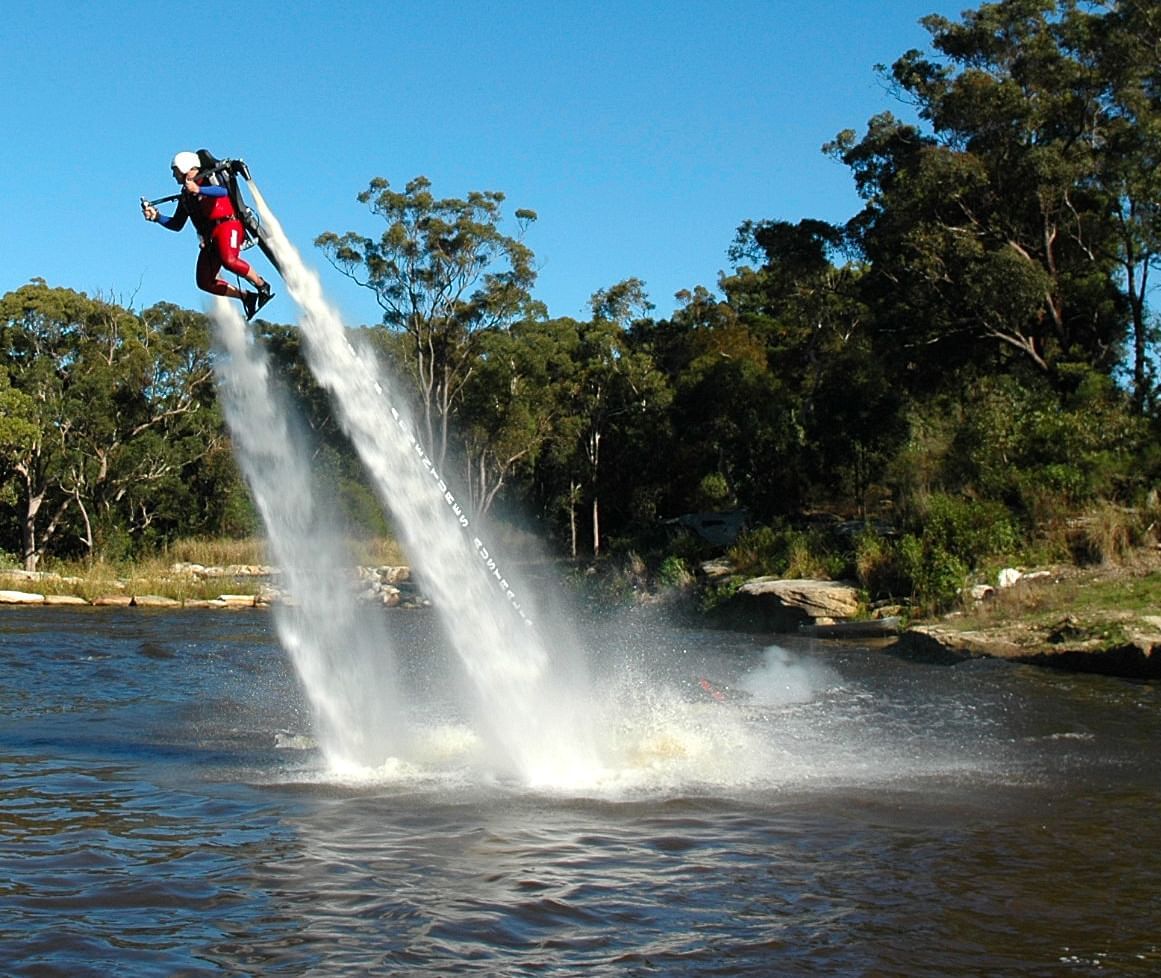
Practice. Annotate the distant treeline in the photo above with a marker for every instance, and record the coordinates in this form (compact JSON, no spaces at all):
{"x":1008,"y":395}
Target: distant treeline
{"x":973,"y":354}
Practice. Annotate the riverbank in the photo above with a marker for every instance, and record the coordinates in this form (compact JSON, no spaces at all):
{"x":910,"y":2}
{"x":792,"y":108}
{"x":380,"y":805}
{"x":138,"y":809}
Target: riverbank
{"x":192,"y":585}
{"x":1102,"y":619}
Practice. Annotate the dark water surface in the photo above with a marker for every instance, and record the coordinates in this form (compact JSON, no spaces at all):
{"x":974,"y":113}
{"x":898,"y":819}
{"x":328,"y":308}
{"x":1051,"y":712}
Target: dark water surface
{"x":839,"y":812}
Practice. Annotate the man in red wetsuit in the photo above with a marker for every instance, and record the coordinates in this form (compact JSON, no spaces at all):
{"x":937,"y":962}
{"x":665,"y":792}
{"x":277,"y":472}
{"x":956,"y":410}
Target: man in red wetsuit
{"x":220,"y":230}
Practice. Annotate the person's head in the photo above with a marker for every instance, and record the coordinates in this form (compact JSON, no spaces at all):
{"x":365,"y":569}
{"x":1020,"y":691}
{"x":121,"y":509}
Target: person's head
{"x":183,"y":163}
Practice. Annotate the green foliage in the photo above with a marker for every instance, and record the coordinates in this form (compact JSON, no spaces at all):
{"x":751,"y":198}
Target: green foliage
{"x":950,"y":537}
{"x":936,"y":577}
{"x":443,"y":273}
{"x":968,"y":529}
{"x":877,"y":568}
{"x":713,"y":493}
{"x":998,"y":232}
{"x":1042,"y":452}
{"x":115,"y":407}
{"x":785,"y":551}
{"x":948,"y":355}
{"x":673,"y":572}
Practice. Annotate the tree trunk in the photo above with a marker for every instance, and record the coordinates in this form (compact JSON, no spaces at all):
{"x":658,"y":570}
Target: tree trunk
{"x":573,"y":491}
{"x":28,"y":546}
{"x":596,"y":526}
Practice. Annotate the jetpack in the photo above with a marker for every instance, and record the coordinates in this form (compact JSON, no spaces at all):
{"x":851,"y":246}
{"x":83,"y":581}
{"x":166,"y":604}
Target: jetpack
{"x":230,"y":174}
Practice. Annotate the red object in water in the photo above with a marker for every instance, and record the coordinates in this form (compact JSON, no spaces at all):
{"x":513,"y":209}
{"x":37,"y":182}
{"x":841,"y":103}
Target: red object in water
{"x":717,"y":694}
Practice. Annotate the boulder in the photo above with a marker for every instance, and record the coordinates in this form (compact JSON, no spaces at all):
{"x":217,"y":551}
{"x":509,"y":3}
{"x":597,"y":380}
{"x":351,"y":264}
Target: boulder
{"x":113,"y":601}
{"x":20,"y":597}
{"x":774,"y":604}
{"x":154,"y":601}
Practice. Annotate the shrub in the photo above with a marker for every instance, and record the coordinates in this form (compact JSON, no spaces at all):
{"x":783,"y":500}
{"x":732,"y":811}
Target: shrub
{"x":1105,"y":535}
{"x":784,"y":551}
{"x":713,"y":492}
{"x":967,"y":529}
{"x":877,"y":566}
{"x":673,"y":572}
{"x":936,"y":577}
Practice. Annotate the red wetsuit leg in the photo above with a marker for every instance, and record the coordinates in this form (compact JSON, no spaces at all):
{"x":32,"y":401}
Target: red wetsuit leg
{"x":221,"y":250}
{"x":228,"y":238}
{"x":209,"y":264}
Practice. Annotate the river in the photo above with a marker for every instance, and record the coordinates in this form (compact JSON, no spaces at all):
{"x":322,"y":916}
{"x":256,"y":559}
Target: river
{"x":805,"y":808}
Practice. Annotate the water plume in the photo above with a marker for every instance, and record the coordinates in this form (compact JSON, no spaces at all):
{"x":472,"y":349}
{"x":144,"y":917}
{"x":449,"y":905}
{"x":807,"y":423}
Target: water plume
{"x":343,"y":657}
{"x":528,"y":715}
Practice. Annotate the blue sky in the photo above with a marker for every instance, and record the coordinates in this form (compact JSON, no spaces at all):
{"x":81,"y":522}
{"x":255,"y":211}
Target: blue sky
{"x":642,"y":133}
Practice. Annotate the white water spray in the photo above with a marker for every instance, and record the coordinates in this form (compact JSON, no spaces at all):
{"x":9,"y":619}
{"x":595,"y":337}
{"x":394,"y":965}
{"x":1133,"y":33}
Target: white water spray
{"x":527,"y":713}
{"x":650,"y":724}
{"x":342,"y":656}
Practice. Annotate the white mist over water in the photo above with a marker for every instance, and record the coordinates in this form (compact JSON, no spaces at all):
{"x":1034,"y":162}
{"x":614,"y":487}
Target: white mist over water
{"x":523,"y":703}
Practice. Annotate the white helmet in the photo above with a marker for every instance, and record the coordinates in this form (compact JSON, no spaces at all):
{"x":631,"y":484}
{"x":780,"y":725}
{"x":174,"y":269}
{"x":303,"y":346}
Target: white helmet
{"x":184,"y":162}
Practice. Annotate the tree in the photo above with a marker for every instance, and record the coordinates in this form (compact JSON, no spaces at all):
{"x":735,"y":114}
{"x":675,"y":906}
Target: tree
{"x":515,"y":402}
{"x":832,"y":415}
{"x":993,"y":229}
{"x":1124,"y":47}
{"x":114,"y":397}
{"x":613,"y":383}
{"x":444,"y":274}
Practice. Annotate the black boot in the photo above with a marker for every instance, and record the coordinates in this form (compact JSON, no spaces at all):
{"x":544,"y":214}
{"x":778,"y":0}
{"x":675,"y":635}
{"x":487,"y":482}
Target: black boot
{"x":264,"y":295}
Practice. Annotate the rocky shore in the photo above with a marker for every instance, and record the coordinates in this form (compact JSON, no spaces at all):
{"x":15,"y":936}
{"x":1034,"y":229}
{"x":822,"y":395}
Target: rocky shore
{"x":257,"y":586}
{"x":1104,"y":620}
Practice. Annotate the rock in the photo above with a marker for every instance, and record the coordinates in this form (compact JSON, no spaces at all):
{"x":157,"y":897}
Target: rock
{"x":113,"y":601}
{"x":717,"y":570}
{"x":1007,"y":577}
{"x":153,"y":601}
{"x":233,"y":570}
{"x":1063,"y":647}
{"x":235,"y":601}
{"x":1130,"y":660}
{"x":64,"y":599}
{"x":774,"y":604}
{"x":933,"y":643}
{"x":186,"y":569}
{"x":817,"y":599}
{"x":20,"y":597}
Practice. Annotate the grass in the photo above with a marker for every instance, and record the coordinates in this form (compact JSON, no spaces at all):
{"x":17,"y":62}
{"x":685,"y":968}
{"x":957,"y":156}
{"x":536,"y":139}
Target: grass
{"x":155,"y":575}
{"x":1098,"y":604}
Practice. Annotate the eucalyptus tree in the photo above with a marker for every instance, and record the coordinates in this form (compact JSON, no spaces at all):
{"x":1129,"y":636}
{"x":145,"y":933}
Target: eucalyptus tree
{"x":444,"y":274}
{"x":517,"y":403}
{"x":615,"y":388}
{"x":988,"y":234}
{"x":1123,"y":47}
{"x":709,"y":451}
{"x":832,"y":416}
{"x":117,"y":405}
